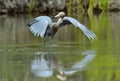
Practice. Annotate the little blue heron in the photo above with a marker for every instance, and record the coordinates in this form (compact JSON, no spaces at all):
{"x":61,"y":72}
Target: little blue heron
{"x":43,"y":26}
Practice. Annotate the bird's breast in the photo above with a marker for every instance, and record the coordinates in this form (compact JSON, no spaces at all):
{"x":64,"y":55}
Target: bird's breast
{"x":54,"y":29}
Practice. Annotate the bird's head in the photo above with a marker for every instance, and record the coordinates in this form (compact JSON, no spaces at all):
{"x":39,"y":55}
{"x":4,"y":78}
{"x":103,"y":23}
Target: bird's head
{"x":60,"y":15}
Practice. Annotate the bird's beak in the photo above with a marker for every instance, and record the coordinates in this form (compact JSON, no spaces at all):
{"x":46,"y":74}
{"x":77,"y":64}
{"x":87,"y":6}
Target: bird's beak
{"x":57,"y":16}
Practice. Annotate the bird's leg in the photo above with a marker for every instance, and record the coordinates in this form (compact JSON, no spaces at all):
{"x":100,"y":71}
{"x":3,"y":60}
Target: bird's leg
{"x":51,"y":40}
{"x":44,"y":41}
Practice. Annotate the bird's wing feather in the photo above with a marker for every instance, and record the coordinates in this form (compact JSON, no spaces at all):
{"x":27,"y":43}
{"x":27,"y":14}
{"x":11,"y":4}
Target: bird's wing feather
{"x":76,"y":23}
{"x":39,"y":25}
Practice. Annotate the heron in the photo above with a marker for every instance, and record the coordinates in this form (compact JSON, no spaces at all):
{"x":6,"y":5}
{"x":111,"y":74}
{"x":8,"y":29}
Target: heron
{"x":43,"y":26}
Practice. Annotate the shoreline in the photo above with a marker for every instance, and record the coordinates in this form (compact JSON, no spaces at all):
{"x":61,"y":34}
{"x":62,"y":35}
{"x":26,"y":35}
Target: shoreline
{"x":46,"y":6}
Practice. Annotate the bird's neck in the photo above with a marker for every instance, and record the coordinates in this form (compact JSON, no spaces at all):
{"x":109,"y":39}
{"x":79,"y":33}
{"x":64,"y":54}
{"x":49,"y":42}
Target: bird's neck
{"x":59,"y":21}
{"x":56,"y":25}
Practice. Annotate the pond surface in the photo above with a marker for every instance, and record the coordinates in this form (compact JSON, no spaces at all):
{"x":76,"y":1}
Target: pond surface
{"x":72,"y":57}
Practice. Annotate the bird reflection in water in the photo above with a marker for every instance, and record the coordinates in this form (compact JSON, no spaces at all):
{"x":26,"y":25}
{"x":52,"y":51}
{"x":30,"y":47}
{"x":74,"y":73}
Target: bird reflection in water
{"x":45,"y":64}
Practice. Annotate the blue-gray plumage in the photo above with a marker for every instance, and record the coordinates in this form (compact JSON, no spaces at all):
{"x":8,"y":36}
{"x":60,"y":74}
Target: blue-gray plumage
{"x":43,"y":26}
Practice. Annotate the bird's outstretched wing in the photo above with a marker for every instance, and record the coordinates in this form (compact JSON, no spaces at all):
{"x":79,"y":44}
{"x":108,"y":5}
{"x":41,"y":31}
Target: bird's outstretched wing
{"x":39,"y":25}
{"x":76,"y":23}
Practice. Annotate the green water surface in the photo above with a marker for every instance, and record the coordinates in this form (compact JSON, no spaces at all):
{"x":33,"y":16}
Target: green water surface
{"x":72,"y":56}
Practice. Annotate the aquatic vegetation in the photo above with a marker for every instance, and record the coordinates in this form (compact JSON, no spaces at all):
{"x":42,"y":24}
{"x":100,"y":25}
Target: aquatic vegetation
{"x":91,"y":6}
{"x":103,"y":4}
{"x":32,"y":4}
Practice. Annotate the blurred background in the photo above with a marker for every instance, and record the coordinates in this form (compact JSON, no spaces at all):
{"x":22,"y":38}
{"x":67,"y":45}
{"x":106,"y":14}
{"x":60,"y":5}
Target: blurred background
{"x":38,"y":6}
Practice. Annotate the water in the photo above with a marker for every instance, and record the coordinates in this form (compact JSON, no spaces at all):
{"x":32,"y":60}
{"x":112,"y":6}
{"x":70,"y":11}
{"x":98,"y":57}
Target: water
{"x":72,"y":56}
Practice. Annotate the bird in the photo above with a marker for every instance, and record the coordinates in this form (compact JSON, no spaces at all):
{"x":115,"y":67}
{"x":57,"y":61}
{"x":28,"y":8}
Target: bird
{"x":43,"y":26}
